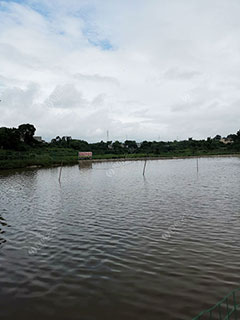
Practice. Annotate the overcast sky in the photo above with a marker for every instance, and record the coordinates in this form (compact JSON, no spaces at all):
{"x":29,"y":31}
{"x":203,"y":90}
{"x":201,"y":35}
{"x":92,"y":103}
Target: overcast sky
{"x":142,"y":69}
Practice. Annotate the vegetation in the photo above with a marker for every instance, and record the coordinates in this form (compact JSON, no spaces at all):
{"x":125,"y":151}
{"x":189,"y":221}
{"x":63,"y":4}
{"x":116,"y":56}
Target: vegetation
{"x":19,"y":148}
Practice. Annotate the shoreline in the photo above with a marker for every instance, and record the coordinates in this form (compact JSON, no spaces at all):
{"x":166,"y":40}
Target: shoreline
{"x":237,"y":155}
{"x":120,"y":159}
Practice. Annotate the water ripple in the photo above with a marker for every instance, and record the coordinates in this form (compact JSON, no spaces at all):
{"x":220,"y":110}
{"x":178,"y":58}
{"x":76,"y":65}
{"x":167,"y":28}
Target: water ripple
{"x":119,"y":245}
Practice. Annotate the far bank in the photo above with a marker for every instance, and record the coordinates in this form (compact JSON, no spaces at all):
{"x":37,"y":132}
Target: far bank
{"x":61,"y":157}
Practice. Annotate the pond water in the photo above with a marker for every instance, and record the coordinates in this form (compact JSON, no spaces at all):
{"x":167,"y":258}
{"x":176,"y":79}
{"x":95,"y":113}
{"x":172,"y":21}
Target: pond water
{"x":109,"y":243}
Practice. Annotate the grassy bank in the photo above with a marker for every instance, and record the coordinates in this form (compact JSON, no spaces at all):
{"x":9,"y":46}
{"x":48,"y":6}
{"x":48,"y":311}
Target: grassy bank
{"x":48,"y":157}
{"x":37,"y":157}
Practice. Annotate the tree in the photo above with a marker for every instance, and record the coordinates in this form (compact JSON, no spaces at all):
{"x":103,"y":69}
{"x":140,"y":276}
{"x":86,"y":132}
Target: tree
{"x":79,"y":145}
{"x":117,"y":147}
{"x":27,"y":132}
{"x":131,"y":145}
{"x":218,"y":137}
{"x":9,"y":138}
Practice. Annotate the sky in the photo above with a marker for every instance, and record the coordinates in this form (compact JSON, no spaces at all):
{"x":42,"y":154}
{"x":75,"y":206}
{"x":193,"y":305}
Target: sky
{"x":139,"y":69}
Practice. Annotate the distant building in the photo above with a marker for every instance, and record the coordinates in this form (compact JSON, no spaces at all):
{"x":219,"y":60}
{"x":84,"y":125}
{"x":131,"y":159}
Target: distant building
{"x":226,"y":140}
{"x":66,"y":138}
{"x":84,"y":155}
{"x":38,"y":138}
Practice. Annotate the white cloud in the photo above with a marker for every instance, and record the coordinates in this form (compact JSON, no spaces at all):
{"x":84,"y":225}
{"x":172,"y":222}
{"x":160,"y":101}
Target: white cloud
{"x":140,"y":69}
{"x":66,"y":96}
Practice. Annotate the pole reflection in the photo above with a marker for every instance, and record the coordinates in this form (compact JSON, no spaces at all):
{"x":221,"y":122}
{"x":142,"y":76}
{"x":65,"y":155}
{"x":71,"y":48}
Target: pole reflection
{"x":3,"y":224}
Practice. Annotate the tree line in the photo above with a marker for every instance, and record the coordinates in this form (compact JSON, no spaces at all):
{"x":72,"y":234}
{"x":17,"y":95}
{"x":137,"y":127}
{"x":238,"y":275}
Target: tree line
{"x":22,"y":138}
{"x":19,"y":139}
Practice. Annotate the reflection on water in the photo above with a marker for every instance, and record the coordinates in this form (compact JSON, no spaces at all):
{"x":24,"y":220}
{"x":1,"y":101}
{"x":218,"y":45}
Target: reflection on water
{"x":85,"y":164}
{"x":3,"y":226}
{"x":108,"y":243}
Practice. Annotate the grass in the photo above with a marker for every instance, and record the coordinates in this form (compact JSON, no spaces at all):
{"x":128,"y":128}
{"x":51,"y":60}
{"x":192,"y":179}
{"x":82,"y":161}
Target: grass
{"x":37,"y":157}
{"x":46,"y":157}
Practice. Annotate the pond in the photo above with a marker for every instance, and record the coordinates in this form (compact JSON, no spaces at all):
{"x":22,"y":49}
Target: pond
{"x":107,"y":242}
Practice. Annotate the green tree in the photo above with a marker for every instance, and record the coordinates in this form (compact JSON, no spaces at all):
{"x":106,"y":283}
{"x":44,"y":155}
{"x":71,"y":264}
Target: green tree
{"x":27,"y":132}
{"x":117,"y":147}
{"x":9,"y":138}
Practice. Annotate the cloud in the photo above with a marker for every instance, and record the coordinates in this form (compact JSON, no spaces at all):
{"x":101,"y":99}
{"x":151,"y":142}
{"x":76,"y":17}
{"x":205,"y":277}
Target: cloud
{"x":15,"y":97}
{"x":96,"y":78}
{"x":66,"y":96}
{"x":176,"y":74}
{"x":139,"y":69}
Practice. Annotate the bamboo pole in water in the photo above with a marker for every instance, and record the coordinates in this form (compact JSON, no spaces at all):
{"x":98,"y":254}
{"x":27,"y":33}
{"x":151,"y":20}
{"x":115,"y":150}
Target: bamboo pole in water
{"x":144,"y":167}
{"x":60,"y":173}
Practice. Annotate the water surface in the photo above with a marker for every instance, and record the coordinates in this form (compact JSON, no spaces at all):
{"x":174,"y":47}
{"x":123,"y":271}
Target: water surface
{"x":108,"y":243}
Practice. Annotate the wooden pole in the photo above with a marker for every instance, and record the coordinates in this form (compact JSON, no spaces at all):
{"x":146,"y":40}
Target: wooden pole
{"x":197,"y":165}
{"x":60,"y":173}
{"x":144,"y":167}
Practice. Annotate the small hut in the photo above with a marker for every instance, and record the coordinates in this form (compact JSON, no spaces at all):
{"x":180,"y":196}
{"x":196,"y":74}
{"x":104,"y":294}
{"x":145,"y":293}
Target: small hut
{"x":84,"y":155}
